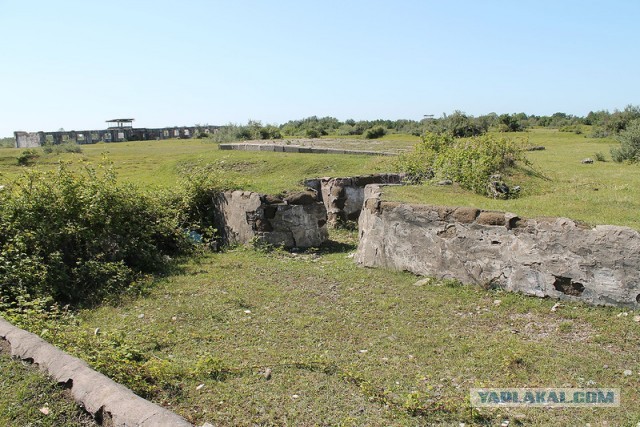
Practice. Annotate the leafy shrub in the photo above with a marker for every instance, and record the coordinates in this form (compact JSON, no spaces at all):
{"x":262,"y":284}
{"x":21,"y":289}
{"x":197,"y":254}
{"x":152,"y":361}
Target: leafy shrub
{"x":509,"y":123}
{"x":629,"y":149}
{"x":470,"y":162}
{"x":315,"y":125}
{"x":231,"y":132}
{"x":67,"y":147}
{"x":312,"y":133}
{"x":606,"y":123}
{"x":80,"y":237}
{"x":27,"y":157}
{"x":577,"y":129}
{"x":457,"y":124}
{"x":599,"y":132}
{"x":252,"y":130}
{"x":375,"y":132}
{"x":599,"y":156}
{"x":196,"y":198}
{"x":347,"y":129}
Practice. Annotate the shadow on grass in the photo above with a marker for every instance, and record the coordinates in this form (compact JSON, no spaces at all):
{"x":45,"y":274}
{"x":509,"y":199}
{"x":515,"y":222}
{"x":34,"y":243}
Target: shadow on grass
{"x":335,"y":246}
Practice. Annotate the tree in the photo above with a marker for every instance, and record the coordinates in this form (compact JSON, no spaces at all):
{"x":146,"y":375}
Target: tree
{"x":629,"y":139}
{"x":509,"y":123}
{"x":457,"y":124}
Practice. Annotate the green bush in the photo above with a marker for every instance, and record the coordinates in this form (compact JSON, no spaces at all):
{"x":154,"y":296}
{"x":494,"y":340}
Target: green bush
{"x":470,"y":162}
{"x":457,"y":124}
{"x":509,"y":123}
{"x":629,"y":150}
{"x":313,"y":133}
{"x":67,"y":147}
{"x":311,"y":125}
{"x":78,"y":237}
{"x":577,"y":129}
{"x":27,"y":157}
{"x":252,"y":130}
{"x":375,"y":132}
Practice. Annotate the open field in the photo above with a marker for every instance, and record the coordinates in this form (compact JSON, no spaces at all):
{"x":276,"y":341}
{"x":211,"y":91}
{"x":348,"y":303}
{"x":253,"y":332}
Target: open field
{"x":246,"y":337}
{"x":353,"y":346}
{"x":160,"y":163}
{"x":599,"y":193}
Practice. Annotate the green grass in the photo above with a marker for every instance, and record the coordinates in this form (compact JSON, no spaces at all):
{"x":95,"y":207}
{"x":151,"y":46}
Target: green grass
{"x":598,"y":193}
{"x":24,"y":392}
{"x":353,"y":346}
{"x":159,"y":163}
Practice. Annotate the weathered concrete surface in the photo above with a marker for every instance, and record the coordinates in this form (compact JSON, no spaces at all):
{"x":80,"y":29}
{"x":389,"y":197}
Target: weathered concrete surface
{"x":298,"y":221}
{"x":27,"y":140}
{"x":298,"y":149}
{"x":343,"y":197}
{"x":552,"y":257}
{"x":106,"y":400}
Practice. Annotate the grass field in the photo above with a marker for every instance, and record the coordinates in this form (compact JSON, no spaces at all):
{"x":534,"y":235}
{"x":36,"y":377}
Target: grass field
{"x":161,"y":163}
{"x":353,"y":346}
{"x":598,"y":193}
{"x":29,"y":399}
{"x":245,"y":337}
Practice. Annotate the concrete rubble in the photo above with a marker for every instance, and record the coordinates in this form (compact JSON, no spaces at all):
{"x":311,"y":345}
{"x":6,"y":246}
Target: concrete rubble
{"x":546,"y":257}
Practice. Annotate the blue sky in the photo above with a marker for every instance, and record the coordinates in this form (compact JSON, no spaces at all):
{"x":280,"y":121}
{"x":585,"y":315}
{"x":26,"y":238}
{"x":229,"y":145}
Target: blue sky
{"x":74,"y":64}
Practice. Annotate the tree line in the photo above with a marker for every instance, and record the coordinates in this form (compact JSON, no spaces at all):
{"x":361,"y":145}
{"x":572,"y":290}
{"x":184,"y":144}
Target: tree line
{"x":602,"y":123}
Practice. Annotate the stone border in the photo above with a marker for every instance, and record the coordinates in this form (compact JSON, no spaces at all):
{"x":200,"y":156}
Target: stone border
{"x":110,"y":403}
{"x":299,"y":149}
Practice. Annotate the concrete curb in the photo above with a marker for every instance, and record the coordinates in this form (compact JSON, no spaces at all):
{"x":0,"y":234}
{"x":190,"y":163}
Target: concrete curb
{"x":110,"y":403}
{"x":299,"y":149}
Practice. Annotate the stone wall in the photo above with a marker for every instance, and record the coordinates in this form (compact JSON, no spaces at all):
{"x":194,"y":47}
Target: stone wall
{"x":27,"y":140}
{"x":343,"y":197}
{"x":553,"y":257}
{"x":297,"y":221}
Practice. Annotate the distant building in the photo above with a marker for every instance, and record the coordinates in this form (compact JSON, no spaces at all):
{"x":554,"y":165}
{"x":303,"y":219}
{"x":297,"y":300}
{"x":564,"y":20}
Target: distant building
{"x":119,"y":130}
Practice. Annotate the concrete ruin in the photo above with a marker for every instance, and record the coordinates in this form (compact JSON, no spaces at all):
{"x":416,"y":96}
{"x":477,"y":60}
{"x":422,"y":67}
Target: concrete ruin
{"x":280,"y":148}
{"x":120,"y":130}
{"x":296,"y":221}
{"x":546,"y":257}
{"x":343,"y":197}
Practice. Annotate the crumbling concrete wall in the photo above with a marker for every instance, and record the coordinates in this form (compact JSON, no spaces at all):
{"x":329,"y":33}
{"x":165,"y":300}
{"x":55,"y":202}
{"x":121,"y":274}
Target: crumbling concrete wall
{"x":553,"y":257}
{"x":28,"y":139}
{"x":343,"y":197}
{"x":297,"y":221}
{"x":298,"y":149}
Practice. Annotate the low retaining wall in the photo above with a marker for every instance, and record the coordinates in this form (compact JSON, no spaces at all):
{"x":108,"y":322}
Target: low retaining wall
{"x":553,"y":257}
{"x":298,"y":149}
{"x":110,"y":403}
{"x":297,"y":221}
{"x":343,"y":197}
